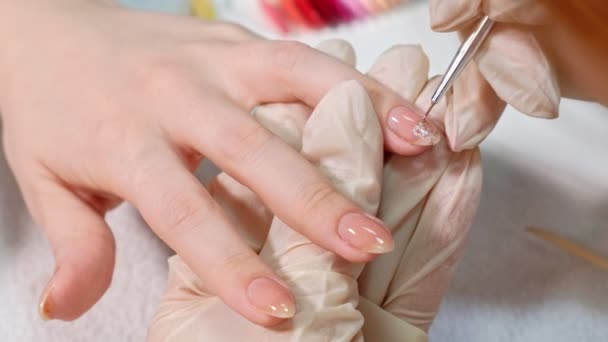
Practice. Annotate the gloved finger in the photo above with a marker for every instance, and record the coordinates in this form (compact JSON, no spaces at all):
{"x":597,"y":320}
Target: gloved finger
{"x":340,"y":49}
{"x":453,"y":15}
{"x":261,"y":161}
{"x":294,"y":72}
{"x":83,"y":247}
{"x":344,"y":140}
{"x":406,"y":62}
{"x":516,"y":67}
{"x":528,"y":12}
{"x":402,"y":68}
{"x":186,"y":217}
{"x":417,"y":174}
{"x":473,"y":110}
{"x":429,"y":168}
{"x":285,"y":120}
{"x":428,"y":262}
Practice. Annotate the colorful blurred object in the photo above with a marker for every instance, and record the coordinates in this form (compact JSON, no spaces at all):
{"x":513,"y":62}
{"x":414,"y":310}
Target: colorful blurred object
{"x":181,"y":7}
{"x":203,"y":9}
{"x":285,"y":14}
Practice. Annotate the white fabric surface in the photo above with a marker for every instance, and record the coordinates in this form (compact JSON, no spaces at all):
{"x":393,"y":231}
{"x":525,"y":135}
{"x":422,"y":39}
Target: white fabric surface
{"x":508,"y":287}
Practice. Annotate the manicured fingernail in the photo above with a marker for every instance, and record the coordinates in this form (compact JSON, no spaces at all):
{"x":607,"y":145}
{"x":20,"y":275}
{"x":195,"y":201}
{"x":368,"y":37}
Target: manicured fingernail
{"x":408,"y":125}
{"x":45,"y":306}
{"x":271,"y":298}
{"x":365,"y":233}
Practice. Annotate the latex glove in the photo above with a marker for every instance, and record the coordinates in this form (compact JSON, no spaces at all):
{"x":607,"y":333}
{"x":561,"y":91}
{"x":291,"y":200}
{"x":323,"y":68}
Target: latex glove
{"x":510,"y":66}
{"x":125,"y":104}
{"x":326,"y":299}
{"x":428,"y":202}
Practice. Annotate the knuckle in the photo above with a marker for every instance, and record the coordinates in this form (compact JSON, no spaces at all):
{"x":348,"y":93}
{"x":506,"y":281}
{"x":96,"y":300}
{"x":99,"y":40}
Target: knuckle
{"x":288,"y":55}
{"x":239,"y":261}
{"x":185,"y":212}
{"x":316,"y":196}
{"x":246,"y":145}
{"x":158,"y":75}
{"x":146,"y":164}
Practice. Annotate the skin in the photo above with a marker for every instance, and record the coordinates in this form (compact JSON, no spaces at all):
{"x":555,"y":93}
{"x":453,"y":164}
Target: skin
{"x":101,"y":105}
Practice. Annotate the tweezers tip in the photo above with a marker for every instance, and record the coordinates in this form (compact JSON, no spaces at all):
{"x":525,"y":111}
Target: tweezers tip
{"x":428,"y":111}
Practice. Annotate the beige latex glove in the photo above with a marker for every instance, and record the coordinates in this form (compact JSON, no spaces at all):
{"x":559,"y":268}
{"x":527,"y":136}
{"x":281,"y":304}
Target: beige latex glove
{"x":428,"y":201}
{"x":510,"y":66}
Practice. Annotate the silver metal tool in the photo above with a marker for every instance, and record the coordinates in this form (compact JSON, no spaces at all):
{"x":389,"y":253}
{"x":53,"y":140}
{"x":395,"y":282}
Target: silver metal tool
{"x":465,"y":53}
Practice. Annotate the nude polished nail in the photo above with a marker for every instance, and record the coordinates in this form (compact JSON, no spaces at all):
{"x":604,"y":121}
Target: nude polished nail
{"x":45,"y":306}
{"x":365,"y":233}
{"x":271,"y":298}
{"x":409,"y":126}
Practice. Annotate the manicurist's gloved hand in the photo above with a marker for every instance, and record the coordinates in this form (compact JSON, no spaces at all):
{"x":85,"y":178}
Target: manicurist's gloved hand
{"x":537,"y":51}
{"x":101,"y":104}
{"x":428,"y":201}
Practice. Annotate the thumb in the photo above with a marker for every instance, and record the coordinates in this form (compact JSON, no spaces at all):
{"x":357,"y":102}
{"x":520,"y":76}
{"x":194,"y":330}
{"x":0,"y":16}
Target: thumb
{"x":83,"y":247}
{"x":527,"y":12}
{"x":451,"y":15}
{"x":473,"y":110}
{"x":454,"y":15}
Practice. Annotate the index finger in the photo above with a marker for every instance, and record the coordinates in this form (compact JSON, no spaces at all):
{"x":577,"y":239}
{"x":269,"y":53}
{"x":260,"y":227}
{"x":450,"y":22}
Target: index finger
{"x":185,"y":216}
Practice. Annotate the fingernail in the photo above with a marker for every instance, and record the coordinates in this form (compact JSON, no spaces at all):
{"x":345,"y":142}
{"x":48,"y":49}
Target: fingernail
{"x":271,"y":298}
{"x":408,"y":125}
{"x":45,"y":307}
{"x":365,"y":233}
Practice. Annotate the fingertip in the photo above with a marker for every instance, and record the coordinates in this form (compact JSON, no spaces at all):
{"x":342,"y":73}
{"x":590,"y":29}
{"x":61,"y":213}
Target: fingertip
{"x":270,"y":297}
{"x":83,"y":247}
{"x":407,"y":133}
{"x":365,"y":236}
{"x":264,"y":299}
{"x":45,"y":308}
{"x":71,"y":292}
{"x":359,"y":257}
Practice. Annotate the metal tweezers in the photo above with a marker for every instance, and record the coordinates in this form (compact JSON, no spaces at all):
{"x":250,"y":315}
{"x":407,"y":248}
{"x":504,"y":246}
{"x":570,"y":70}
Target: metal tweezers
{"x":465,"y":53}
